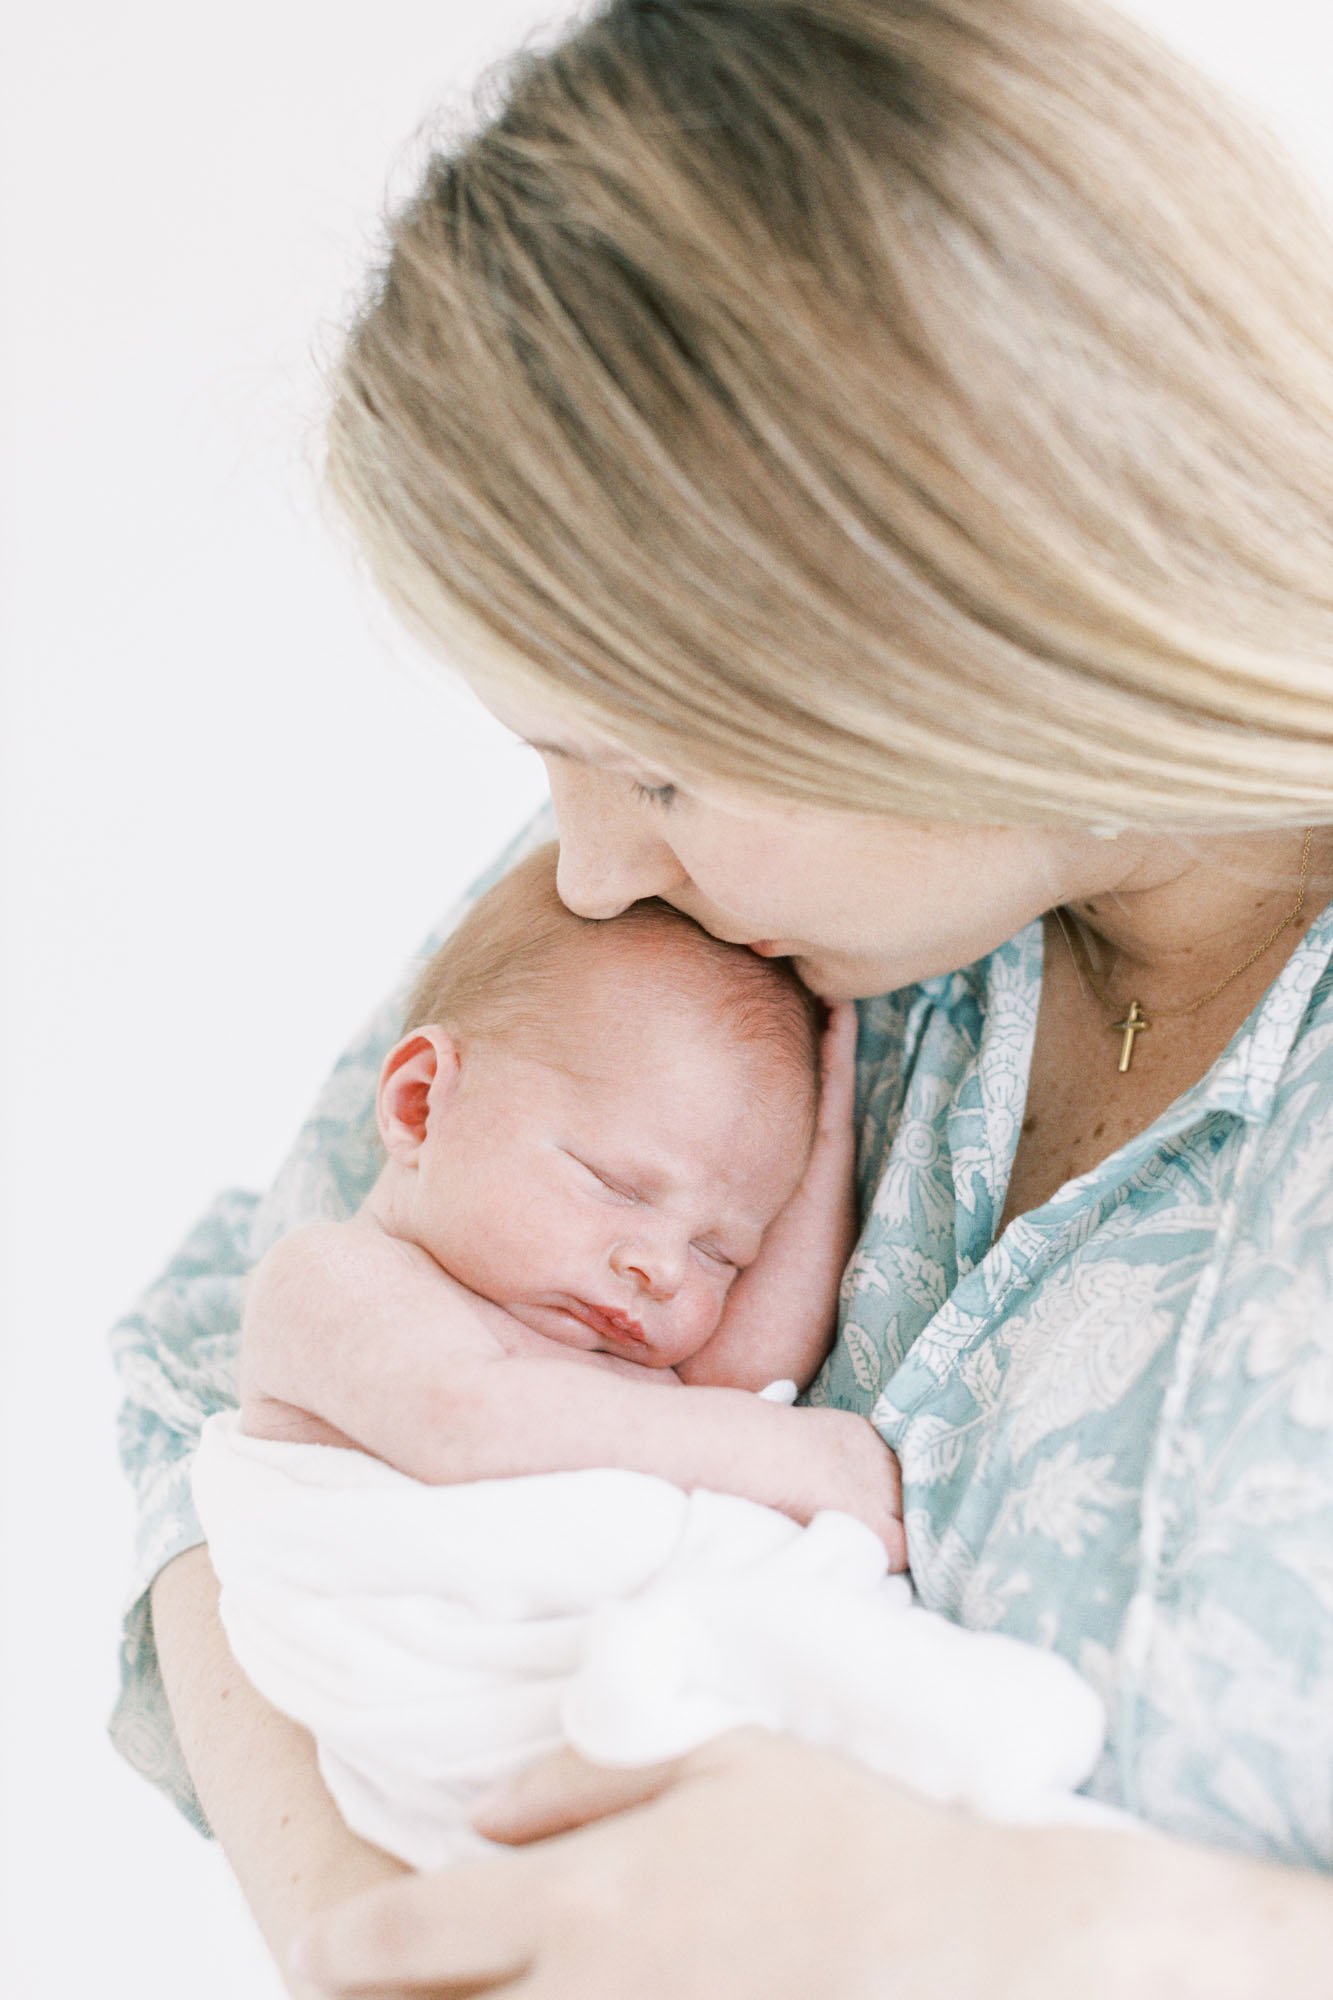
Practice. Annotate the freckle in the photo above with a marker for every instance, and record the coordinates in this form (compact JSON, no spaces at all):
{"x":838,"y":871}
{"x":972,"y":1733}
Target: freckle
{"x":286,"y":1820}
{"x":1029,"y":1124}
{"x":1100,"y":1129}
{"x":225,"y":1695}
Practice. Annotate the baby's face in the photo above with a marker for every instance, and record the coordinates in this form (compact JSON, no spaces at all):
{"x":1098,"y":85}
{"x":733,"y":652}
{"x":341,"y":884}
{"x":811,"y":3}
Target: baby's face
{"x":607,"y":1191}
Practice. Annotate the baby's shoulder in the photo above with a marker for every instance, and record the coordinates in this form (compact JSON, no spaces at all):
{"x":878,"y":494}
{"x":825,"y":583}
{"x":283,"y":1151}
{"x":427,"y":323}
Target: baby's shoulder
{"x":352,"y":1262}
{"x":344,"y":1248}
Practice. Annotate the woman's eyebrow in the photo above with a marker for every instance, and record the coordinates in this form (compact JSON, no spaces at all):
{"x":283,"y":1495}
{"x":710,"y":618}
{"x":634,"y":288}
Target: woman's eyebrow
{"x":604,"y":760}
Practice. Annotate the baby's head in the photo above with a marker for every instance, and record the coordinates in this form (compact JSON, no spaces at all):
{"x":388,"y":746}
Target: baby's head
{"x":593,"y":1123}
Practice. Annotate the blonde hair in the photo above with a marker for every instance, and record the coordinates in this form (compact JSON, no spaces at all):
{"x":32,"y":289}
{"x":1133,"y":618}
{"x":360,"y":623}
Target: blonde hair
{"x":905,"y":406}
{"x":499,"y":972}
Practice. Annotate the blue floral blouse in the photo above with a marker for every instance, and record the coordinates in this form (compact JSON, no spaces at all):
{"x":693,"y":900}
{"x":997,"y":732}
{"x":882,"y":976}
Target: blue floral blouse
{"x":1115,"y":1424}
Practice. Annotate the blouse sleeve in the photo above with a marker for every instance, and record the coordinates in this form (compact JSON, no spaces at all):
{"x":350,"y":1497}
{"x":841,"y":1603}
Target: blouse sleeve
{"x":175,"y":1353}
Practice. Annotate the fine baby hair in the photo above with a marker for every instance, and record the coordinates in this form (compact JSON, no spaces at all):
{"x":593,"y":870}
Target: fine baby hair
{"x":499,"y":972}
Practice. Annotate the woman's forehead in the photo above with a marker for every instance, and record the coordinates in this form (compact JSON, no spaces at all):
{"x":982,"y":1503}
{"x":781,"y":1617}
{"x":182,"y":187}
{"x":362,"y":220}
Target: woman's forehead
{"x":504,"y":687}
{"x":544,"y":728}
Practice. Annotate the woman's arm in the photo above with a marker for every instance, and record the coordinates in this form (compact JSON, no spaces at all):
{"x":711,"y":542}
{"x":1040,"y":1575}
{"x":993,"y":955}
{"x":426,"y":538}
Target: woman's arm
{"x":176,"y":1355}
{"x":836,"y":1883}
{"x":254,"y":1771}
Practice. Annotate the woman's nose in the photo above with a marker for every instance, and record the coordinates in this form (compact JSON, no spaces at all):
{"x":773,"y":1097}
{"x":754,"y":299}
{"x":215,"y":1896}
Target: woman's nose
{"x":608,"y":857}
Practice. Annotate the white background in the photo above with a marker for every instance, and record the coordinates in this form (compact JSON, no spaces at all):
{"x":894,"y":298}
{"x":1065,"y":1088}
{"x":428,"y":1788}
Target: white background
{"x":233,"y":797}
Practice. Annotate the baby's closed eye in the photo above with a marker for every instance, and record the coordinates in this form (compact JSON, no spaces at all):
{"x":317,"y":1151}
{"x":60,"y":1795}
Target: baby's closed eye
{"x":711,"y":1253}
{"x":613,"y":1187}
{"x":716,"y":1256}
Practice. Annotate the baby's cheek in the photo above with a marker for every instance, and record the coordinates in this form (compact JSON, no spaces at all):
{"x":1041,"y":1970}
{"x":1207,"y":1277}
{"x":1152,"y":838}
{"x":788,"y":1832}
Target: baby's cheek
{"x":711,"y":1300}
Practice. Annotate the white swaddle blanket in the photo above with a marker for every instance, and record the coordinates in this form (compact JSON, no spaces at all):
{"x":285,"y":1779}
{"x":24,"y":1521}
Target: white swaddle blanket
{"x":435,"y":1639}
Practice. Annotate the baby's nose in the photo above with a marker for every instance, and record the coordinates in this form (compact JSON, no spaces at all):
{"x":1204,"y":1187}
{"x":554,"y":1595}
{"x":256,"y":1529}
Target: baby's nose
{"x":656,"y":1268}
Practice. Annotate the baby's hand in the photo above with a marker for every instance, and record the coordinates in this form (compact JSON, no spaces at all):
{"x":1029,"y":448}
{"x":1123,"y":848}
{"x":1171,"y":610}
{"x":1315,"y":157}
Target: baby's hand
{"x":781,"y":1314}
{"x":852,"y":1470}
{"x":837,"y":1076}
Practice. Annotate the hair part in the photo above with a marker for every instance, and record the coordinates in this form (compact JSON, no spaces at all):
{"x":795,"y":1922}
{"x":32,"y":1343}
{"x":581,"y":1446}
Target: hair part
{"x":905,"y":406}
{"x":502,"y":972}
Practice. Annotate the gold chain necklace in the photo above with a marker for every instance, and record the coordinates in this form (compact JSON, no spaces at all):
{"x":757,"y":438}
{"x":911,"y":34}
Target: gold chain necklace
{"x":1136,"y":1020}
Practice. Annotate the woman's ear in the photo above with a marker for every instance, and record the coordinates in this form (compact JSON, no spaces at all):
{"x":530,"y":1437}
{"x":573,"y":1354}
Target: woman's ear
{"x":418,"y":1074}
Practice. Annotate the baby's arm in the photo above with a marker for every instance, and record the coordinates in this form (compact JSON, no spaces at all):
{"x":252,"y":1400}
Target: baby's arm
{"x":526,"y":1414}
{"x":366,"y":1336}
{"x":782,"y":1313}
{"x":341,"y":1322}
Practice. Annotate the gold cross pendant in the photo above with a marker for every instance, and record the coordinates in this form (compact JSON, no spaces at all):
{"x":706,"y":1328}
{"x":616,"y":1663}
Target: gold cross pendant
{"x":1132,"y":1025}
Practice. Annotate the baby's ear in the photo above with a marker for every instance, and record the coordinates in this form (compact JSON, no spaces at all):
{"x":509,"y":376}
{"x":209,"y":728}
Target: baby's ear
{"x":417,"y":1075}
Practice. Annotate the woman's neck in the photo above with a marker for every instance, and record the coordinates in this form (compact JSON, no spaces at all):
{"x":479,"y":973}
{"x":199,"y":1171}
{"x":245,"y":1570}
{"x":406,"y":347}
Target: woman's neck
{"x":1178,"y":915}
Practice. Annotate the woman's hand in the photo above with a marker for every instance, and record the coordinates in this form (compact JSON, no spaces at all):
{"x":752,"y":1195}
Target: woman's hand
{"x":759,"y":1870}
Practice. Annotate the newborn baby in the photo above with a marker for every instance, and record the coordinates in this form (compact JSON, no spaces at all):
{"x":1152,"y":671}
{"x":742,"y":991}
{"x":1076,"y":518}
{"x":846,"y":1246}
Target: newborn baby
{"x":499,"y":1481}
{"x":610,"y":1173}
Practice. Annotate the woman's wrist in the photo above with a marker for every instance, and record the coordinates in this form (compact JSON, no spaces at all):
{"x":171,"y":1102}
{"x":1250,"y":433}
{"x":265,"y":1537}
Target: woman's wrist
{"x":255,"y":1771}
{"x":1138,"y":1915}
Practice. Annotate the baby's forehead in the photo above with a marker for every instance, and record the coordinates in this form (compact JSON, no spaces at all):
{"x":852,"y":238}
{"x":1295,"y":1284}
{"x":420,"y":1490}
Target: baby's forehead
{"x":642,"y":990}
{"x":672,"y":964}
{"x":719,"y":1124}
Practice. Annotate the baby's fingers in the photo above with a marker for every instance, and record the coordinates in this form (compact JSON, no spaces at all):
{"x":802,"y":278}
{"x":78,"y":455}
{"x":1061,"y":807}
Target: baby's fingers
{"x":837,"y":1067}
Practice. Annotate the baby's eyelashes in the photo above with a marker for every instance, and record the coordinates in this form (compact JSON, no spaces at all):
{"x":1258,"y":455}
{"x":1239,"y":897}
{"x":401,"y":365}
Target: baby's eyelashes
{"x":711,"y":1253}
{"x":616,"y":1188}
{"x":716,"y":1256}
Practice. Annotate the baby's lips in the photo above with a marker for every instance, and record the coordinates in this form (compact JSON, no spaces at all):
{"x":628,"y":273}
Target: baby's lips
{"x":608,"y":1320}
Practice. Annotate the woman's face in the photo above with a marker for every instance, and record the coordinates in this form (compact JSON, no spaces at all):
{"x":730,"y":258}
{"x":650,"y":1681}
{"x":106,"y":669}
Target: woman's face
{"x":862,"y":905}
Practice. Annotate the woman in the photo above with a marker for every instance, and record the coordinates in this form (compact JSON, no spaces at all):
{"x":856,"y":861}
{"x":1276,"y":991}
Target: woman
{"x":881,"y":453}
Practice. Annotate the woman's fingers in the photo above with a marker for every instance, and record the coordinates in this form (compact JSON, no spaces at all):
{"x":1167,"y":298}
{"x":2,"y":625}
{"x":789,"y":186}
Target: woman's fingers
{"x":465,"y":1931}
{"x":563,"y":1791}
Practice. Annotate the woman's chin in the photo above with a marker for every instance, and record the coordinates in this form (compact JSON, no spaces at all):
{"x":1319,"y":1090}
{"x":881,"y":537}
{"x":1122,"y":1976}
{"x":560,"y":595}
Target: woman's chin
{"x":827,"y":980}
{"x":832,"y":978}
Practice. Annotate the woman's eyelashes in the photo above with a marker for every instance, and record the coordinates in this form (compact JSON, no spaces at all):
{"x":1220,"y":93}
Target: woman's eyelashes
{"x":662,"y":796}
